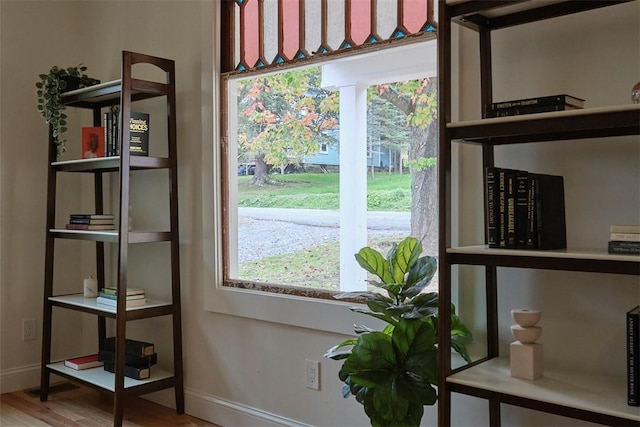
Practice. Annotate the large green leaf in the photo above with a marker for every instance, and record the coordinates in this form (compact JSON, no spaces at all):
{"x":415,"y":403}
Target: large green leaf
{"x":371,"y":360}
{"x":420,"y":275}
{"x":372,"y":261}
{"x":403,"y":256}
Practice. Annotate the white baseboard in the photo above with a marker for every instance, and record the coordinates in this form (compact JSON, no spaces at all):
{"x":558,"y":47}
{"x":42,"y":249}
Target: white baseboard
{"x":197,"y":404}
{"x":21,"y":378}
{"x":223,"y":412}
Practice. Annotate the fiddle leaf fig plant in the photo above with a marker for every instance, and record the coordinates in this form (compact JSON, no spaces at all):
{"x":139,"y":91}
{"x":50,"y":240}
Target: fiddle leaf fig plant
{"x":49,"y":90}
{"x":392,"y":372}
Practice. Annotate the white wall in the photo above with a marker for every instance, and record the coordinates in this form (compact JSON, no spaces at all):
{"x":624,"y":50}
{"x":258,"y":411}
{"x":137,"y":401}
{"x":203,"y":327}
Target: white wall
{"x":241,"y":371}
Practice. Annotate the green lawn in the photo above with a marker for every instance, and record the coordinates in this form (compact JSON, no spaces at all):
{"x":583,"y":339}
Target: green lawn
{"x":385,"y":192}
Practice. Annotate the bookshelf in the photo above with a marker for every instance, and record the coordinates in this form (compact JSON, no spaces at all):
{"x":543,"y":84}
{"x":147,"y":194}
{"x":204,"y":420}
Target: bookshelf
{"x":587,"y":396}
{"x":123,"y":93}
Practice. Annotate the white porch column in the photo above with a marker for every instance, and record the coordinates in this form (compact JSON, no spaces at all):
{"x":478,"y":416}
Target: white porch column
{"x":353,"y":184}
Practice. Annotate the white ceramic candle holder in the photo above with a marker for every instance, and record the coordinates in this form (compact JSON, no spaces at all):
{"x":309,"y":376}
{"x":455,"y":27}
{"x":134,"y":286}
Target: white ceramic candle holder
{"x":526,"y":354}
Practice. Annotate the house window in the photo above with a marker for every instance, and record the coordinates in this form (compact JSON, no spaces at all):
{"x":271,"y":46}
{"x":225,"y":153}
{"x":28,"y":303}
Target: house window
{"x":313,"y":150}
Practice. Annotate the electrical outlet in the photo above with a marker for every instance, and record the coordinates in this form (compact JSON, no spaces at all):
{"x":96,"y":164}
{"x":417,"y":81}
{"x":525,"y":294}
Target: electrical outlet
{"x":312,"y":374}
{"x":28,"y":329}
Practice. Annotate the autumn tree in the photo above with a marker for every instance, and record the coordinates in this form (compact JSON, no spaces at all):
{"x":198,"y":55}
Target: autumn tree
{"x":417,"y":100}
{"x":282,"y":118}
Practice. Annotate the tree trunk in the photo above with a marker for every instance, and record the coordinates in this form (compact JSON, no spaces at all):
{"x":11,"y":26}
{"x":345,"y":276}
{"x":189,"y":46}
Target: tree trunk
{"x":261,"y":173}
{"x":424,"y":188}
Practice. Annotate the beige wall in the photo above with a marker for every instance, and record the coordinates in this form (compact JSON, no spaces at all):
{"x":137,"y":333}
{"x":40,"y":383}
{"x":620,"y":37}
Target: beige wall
{"x":241,"y":371}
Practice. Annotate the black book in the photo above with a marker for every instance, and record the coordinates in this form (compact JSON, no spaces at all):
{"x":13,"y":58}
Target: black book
{"x":633,"y":356}
{"x":623,"y":247}
{"x":139,"y":134}
{"x":491,"y":197}
{"x":130,"y":371}
{"x":537,"y":101}
{"x":519,"y":111}
{"x":129,"y":359}
{"x":133,"y":347}
{"x":531,"y":233}
{"x":522,"y":183}
{"x":502,"y":208}
{"x":550,"y":221}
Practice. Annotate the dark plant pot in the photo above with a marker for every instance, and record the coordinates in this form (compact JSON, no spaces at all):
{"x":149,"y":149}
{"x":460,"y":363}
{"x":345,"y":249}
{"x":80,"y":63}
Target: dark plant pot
{"x":73,"y":83}
{"x":69,"y":83}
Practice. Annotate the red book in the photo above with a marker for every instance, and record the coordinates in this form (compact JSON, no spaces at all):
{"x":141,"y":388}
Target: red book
{"x":83,"y":362}
{"x":92,"y":142}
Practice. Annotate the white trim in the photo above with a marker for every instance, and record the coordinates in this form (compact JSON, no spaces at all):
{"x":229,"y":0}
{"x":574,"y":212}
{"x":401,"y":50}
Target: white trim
{"x":20,"y":378}
{"x":227,"y":413}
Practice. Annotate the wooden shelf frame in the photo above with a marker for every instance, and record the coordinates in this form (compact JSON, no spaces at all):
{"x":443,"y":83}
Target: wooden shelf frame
{"x":123,"y":93}
{"x":489,"y":378}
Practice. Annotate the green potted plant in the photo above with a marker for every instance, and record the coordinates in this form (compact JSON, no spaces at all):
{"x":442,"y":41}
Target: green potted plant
{"x":392,"y":372}
{"x":49,"y":90}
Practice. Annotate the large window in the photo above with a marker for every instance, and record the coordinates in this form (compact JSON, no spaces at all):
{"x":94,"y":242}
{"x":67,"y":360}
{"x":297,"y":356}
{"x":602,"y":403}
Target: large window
{"x":325,"y":157}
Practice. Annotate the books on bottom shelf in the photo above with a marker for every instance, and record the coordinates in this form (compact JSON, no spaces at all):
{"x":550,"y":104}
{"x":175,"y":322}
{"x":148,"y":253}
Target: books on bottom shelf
{"x":134,"y":347}
{"x":633,"y":356}
{"x":130,"y":371}
{"x":524,"y":210}
{"x":624,"y":239}
{"x":91,"y":222}
{"x":83,"y":362}
{"x":139,"y":357}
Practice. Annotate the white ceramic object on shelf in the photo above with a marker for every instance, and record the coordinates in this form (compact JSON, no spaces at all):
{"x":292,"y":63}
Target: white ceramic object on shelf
{"x":526,"y":335}
{"x":525,"y":317}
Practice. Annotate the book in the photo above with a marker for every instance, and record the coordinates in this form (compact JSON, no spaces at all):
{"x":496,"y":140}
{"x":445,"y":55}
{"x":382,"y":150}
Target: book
{"x":502,"y":208}
{"x":139,"y":134}
{"x":518,"y":111}
{"x":134,"y":372}
{"x":531,"y":233}
{"x":633,"y":356}
{"x":625,"y":237}
{"x":92,"y":216}
{"x":89,"y":227}
{"x":622,"y":247}
{"x":83,"y":362}
{"x":93,"y":142}
{"x":114,"y":302}
{"x":624,"y":229}
{"x":110,"y":121}
{"x":134,"y":347}
{"x":521,"y":208}
{"x":115,"y":297}
{"x":491,"y":197}
{"x":90,"y":221}
{"x":510,"y":231}
{"x":537,"y":101}
{"x":129,"y":359}
{"x":112,"y":290}
{"x":550,"y":212}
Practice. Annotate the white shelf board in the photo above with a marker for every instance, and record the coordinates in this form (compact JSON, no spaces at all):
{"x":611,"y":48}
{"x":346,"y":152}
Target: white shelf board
{"x":106,"y":380}
{"x":536,"y":116}
{"x":79,"y":300}
{"x":575,"y":389}
{"x":593,"y":254}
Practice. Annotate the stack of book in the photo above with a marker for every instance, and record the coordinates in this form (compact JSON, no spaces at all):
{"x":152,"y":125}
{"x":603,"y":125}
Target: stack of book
{"x":91,"y":222}
{"x":624,"y":239}
{"x":139,"y":356}
{"x":524,"y":210}
{"x":109,"y":296}
{"x":138,"y":133}
{"x":540,"y":104}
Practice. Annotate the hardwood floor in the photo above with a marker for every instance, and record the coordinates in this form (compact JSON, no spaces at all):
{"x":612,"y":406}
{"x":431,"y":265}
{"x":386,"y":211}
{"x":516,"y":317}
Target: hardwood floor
{"x":86,"y":407}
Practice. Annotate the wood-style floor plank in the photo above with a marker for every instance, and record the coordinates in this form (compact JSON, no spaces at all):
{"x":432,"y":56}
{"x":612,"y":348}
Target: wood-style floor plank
{"x":86,"y":407}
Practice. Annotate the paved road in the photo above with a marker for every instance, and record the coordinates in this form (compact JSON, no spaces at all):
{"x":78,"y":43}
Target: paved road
{"x":399,"y":221}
